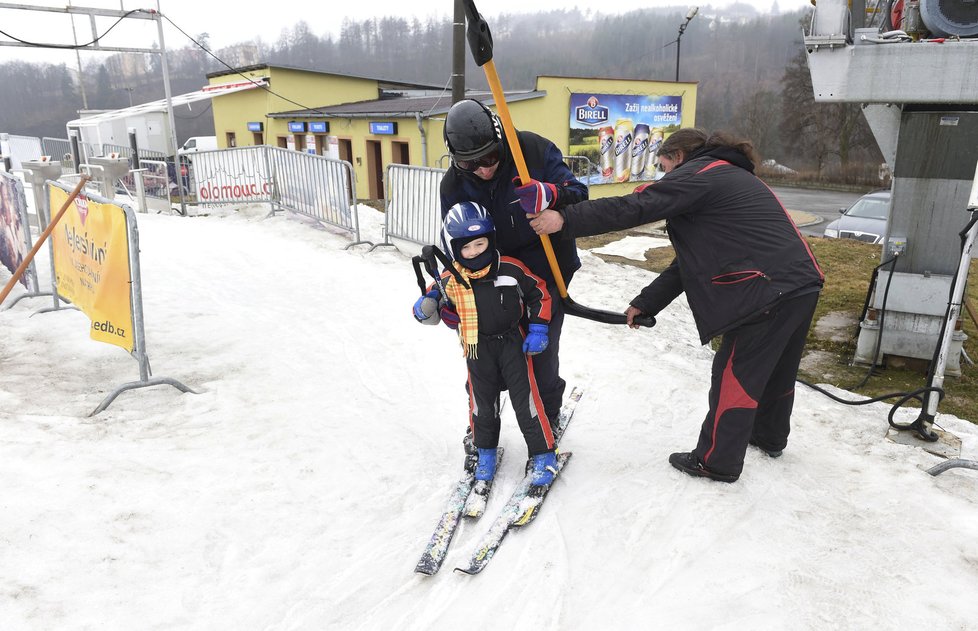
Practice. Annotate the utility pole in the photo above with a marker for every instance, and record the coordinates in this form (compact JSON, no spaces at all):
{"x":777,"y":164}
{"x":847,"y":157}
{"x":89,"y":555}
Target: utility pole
{"x":81,"y":80}
{"x":682,"y":29}
{"x":171,"y":139}
{"x":138,"y":14}
{"x":458,"y":53}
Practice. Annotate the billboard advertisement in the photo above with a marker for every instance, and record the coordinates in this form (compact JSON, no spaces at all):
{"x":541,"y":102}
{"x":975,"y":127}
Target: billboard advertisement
{"x":91,"y":265}
{"x":621,"y":133}
{"x":13,"y":226}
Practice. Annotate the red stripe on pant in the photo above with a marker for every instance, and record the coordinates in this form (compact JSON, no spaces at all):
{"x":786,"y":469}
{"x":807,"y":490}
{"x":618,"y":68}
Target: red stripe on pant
{"x":538,"y":403}
{"x":732,"y":396}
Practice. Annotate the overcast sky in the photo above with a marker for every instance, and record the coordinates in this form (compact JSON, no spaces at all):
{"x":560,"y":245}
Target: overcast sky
{"x":228,"y":22}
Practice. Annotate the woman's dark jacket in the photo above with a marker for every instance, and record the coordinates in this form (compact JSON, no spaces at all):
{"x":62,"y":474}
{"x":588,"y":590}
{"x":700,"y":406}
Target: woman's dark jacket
{"x":737,"y":251}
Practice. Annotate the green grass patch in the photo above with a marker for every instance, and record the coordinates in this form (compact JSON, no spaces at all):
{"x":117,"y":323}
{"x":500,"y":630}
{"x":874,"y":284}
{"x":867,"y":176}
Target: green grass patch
{"x":848,"y":267}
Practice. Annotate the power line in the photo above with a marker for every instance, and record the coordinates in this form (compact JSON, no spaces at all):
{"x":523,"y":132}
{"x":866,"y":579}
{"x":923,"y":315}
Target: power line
{"x":202,"y":112}
{"x":236,"y":71}
{"x":72,"y":46}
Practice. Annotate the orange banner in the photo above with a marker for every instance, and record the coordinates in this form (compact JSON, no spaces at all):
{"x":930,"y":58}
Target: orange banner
{"x":91,"y":265}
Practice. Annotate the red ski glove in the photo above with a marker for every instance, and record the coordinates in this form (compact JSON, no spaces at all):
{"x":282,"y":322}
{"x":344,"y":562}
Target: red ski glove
{"x":535,"y":196}
{"x":449,"y":316}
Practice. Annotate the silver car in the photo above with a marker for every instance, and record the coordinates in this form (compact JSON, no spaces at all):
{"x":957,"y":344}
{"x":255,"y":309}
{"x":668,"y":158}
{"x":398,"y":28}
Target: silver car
{"x":864,"y":221}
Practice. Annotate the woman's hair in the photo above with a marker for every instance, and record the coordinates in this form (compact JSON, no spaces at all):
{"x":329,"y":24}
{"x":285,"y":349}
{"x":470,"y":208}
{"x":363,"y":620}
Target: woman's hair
{"x":692,"y":139}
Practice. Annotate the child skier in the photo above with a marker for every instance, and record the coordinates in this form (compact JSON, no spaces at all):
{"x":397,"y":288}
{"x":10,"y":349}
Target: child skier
{"x":498,"y":356}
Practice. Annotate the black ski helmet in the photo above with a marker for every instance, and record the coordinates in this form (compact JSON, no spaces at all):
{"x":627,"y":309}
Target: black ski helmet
{"x":464,"y":222}
{"x":472,"y":130}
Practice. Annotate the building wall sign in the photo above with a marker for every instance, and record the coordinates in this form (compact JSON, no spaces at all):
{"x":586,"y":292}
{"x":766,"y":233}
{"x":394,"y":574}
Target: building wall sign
{"x":388,"y":128}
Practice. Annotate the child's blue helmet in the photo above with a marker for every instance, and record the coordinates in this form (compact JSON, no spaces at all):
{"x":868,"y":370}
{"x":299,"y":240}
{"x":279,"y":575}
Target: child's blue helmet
{"x":465,"y":222}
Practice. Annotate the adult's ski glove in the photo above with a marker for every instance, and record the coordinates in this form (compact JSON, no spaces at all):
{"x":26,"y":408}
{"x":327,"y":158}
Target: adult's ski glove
{"x":536,"y":340}
{"x":535,"y":196}
{"x":426,"y":307}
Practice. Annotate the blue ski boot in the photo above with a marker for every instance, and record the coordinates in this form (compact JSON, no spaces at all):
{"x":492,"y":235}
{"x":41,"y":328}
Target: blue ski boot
{"x":486,"y":469}
{"x":543,"y":468}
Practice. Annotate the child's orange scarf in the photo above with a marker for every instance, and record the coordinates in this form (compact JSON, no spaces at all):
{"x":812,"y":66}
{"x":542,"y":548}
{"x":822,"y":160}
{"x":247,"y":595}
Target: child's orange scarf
{"x":464,"y":301}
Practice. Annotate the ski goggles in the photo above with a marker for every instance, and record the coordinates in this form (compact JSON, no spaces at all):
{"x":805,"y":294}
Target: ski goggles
{"x":489,"y":160}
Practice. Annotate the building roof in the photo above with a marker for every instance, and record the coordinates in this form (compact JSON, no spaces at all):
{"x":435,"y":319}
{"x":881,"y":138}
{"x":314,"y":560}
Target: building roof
{"x":207,"y":92}
{"x":402,"y":106}
{"x":383,"y":82}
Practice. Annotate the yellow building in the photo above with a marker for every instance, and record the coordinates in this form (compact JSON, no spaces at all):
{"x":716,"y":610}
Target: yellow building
{"x":375,"y":122}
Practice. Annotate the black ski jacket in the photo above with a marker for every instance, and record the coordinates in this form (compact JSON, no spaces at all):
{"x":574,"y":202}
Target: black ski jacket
{"x":504,"y":294}
{"x":514,"y":236}
{"x":737,"y":250}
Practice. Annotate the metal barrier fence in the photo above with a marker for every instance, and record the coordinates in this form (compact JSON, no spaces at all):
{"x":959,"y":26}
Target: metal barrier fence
{"x":413,"y":210}
{"x":315,"y":186}
{"x":123,"y":150}
{"x":306,"y":184}
{"x":128,"y":182}
{"x":59,"y":149}
{"x":89,"y":150}
{"x":582,"y":168}
{"x":20,"y":148}
{"x":226,"y":176}
{"x":156,"y":180}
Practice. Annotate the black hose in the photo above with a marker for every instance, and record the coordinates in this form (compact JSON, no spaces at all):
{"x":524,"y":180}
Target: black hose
{"x":882,"y":313}
{"x":904,"y":398}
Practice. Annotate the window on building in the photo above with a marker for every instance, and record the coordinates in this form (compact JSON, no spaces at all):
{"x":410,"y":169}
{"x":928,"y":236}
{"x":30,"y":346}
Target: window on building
{"x":232,"y":139}
{"x":400,"y":153}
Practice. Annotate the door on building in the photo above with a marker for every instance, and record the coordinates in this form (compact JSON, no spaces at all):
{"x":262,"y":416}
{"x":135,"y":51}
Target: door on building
{"x":375,"y":170}
{"x":400,"y":153}
{"x":283,"y":142}
{"x":259,"y":139}
{"x":232,"y":139}
{"x":345,"y":146}
{"x":346,"y":149}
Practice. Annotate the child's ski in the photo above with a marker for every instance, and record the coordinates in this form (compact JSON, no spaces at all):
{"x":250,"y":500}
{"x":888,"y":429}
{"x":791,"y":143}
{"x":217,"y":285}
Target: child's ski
{"x":567,"y":412}
{"x":524,"y":505}
{"x":520,"y":510}
{"x":469,"y":497}
{"x":475,"y":506}
{"x":434,"y":554}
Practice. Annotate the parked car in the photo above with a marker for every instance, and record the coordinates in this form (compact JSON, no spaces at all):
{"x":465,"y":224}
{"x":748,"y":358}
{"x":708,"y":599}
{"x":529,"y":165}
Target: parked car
{"x":864,"y":221}
{"x":198,"y":143}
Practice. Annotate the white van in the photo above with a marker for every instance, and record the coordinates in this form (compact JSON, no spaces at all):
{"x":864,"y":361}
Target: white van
{"x":198,"y":143}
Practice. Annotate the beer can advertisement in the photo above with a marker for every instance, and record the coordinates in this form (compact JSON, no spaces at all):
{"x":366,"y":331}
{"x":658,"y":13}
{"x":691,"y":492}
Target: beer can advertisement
{"x":621,"y":134}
